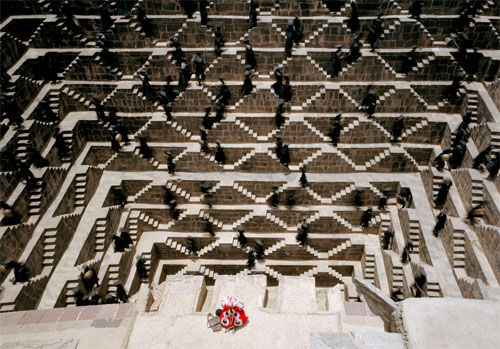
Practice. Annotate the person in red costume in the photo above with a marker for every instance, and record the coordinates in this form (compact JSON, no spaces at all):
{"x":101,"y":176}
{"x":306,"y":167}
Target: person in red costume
{"x":232,"y":314}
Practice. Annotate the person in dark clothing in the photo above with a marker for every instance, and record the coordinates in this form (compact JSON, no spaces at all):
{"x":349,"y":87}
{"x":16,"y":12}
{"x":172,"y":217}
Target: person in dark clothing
{"x":441,"y":221}
{"x":169,"y":89}
{"x":247,"y":86}
{"x":189,"y":7}
{"x":10,"y":215}
{"x":416,"y":9}
{"x":118,"y":196}
{"x":99,"y":108}
{"x":358,"y":197}
{"x":278,"y":117}
{"x":146,"y":88}
{"x":209,"y":227}
{"x":178,"y":54}
{"x":278,"y":85}
{"x":252,"y":20}
{"x":203,"y":12}
{"x":279,"y":147}
{"x":259,"y":249}
{"x":441,"y":159}
{"x":191,"y":246}
{"x":250,"y":60}
{"x":287,"y":89}
{"x":455,"y":84}
{"x":397,"y":128}
{"x":303,"y":178}
{"x":334,"y":132}
{"x":410,"y":60}
{"x":482,"y":158}
{"x":335,"y":66}
{"x":285,"y":157}
{"x":291,"y":198}
{"x":220,"y":156}
{"x":368,"y":100}
{"x":420,"y":284}
{"x":251,"y":259}
{"x":289,"y":38}
{"x":218,"y":41}
{"x":89,"y":279}
{"x":21,"y":272}
{"x":223,"y":93}
{"x":119,"y":243}
{"x":146,"y":27}
{"x":355,"y":49}
{"x":121,"y":294}
{"x":457,"y":155}
{"x":366,"y":218}
{"x":242,"y":240}
{"x":62,"y":148}
{"x":207,"y":120}
{"x":275,"y":198}
{"x":140,"y":266}
{"x":106,"y":22}
{"x":199,"y":65}
{"x":353,"y":21}
{"x":170,"y":163}
{"x":144,"y":148}
{"x":476,"y":212}
{"x":297,"y":30}
{"x":442,"y":194}
{"x":388,"y":235}
{"x":382,"y":203}
{"x":204,"y":140}
{"x":405,"y":256}
{"x":493,"y":166}
{"x":184,"y":75}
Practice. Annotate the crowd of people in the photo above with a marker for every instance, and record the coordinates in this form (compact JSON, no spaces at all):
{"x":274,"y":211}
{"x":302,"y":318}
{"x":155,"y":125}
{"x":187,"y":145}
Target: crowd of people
{"x":87,"y":291}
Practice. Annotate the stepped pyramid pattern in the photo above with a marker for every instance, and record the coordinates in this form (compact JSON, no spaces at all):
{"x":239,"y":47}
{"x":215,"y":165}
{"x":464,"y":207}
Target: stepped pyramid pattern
{"x":68,"y":216}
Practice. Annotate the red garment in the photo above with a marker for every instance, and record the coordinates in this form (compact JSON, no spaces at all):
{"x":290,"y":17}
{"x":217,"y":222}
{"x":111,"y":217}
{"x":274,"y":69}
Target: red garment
{"x":232,"y":314}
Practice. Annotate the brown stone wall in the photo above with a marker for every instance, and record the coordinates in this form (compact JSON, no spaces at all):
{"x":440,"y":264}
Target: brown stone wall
{"x":11,"y":51}
{"x":8,"y":183}
{"x":13,"y":242}
{"x":472,"y":266}
{"x":490,"y":240}
{"x":31,"y":294}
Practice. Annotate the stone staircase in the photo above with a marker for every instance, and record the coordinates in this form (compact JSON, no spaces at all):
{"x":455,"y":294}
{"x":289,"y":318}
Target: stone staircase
{"x":80,"y":189}
{"x":495,"y":140}
{"x":147,"y":256}
{"x":178,"y":247}
{"x":397,"y":277}
{"x":208,"y":248}
{"x":23,"y":139}
{"x":35,"y":197}
{"x":275,"y":247}
{"x":476,"y":191}
{"x":458,"y":248}
{"x":68,"y":139}
{"x":49,"y":247}
{"x":100,"y":235}
{"x":418,"y":126}
{"x":414,"y":235}
{"x":53,"y":100}
{"x":472,"y":100}
{"x":369,"y":268}
{"x":113,"y":272}
{"x":133,"y":198}
{"x":434,"y":290}
{"x":70,"y":296}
